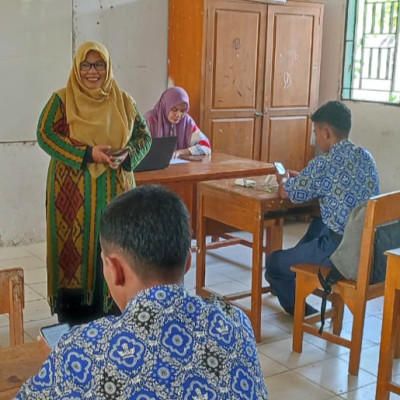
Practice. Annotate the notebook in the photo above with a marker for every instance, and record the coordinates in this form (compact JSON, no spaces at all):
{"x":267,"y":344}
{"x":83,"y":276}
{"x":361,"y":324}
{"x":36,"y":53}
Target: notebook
{"x":159,"y":155}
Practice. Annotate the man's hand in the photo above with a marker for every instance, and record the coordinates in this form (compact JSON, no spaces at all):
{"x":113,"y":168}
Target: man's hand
{"x":44,"y":347}
{"x":293,"y":173}
{"x":281,"y":179}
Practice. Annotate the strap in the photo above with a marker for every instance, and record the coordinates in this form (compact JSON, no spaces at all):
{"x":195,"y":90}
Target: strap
{"x":331,"y":279}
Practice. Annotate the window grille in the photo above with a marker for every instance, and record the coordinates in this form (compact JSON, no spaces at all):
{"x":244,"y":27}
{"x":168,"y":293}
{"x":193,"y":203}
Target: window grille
{"x":372,"y":61}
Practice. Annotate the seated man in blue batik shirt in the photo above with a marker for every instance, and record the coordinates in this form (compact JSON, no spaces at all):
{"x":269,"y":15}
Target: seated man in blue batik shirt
{"x":167,"y":344}
{"x":344,"y":176}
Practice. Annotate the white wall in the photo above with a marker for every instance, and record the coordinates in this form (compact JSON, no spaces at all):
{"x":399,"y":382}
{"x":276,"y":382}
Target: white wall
{"x":35,"y":59}
{"x":37,"y":39}
{"x":375,"y":126}
{"x":136,"y":35}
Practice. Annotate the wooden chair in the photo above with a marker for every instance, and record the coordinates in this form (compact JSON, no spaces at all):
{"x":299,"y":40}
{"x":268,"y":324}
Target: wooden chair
{"x":12,"y":302}
{"x":389,"y":348}
{"x":355,"y":294}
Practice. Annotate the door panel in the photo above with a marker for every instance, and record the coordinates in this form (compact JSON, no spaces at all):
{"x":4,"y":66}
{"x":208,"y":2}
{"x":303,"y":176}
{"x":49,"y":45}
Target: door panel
{"x":235,"y":59}
{"x":287,"y":143}
{"x":234,"y":76}
{"x":233,"y":136}
{"x":293,"y":56}
{"x":292,"y":60}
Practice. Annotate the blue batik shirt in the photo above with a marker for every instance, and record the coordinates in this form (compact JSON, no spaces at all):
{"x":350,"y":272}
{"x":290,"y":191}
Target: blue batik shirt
{"x":341,"y":179}
{"x":167,"y":345}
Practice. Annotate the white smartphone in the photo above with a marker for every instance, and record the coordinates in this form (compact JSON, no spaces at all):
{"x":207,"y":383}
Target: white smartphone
{"x":280,"y":169}
{"x":53,"y":333}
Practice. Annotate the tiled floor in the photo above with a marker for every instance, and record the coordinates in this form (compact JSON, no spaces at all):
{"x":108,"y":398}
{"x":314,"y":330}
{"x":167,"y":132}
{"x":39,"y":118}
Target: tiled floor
{"x":319,"y":372}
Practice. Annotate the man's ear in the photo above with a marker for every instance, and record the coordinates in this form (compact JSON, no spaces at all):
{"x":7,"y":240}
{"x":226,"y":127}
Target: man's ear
{"x":189,"y":261}
{"x":117,"y":271}
{"x":328,"y":132}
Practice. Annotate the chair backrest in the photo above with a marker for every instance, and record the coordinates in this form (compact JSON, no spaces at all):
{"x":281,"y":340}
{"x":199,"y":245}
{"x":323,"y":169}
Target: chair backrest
{"x":12,"y":302}
{"x":381,"y":210}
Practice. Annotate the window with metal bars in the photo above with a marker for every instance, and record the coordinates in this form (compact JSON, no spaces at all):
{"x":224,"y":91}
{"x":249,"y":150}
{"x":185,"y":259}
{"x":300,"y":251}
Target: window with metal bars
{"x":372,"y":61}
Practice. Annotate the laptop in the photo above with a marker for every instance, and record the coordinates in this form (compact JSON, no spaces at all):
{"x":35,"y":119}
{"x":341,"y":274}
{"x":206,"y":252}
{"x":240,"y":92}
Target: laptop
{"x":159,"y":155}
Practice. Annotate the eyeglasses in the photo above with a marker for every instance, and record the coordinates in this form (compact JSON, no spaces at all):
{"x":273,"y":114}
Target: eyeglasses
{"x":98,"y":65}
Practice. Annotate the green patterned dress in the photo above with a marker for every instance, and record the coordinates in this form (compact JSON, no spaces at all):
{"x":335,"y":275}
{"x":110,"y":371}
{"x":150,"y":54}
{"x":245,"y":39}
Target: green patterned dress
{"x":74,"y":204}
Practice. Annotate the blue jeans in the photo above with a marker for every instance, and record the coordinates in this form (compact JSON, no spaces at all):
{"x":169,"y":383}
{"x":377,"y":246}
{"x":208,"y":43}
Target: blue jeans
{"x":315,"y":247}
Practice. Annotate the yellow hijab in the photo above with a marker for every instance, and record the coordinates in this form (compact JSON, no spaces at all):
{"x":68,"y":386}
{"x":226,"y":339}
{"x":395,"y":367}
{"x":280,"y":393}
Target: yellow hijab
{"x":103,"y":116}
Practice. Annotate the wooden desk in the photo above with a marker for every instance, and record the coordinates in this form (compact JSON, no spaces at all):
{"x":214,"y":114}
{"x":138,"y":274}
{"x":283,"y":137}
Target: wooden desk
{"x":17,"y":364}
{"x":243,"y":208}
{"x":183,"y":178}
{"x":390,"y":327}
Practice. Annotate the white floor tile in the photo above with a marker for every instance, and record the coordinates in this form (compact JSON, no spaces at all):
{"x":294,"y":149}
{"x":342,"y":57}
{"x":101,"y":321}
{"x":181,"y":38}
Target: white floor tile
{"x":5,"y":337}
{"x":31,"y":295}
{"x":38,"y":250}
{"x":40,"y":288}
{"x":290,"y":385}
{"x":372,"y":330}
{"x":270,"y":367}
{"x":4,"y":321}
{"x":281,"y":351}
{"x":272,"y":333}
{"x":36,"y":310}
{"x":35,"y":275}
{"x":365,"y":393}
{"x":13,"y":252}
{"x":27,"y":263}
{"x":32,"y":327}
{"x":332,"y":374}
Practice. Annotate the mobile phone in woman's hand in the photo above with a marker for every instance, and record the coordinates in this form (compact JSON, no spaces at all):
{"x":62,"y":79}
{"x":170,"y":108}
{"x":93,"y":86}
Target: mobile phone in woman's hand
{"x":119,"y":153}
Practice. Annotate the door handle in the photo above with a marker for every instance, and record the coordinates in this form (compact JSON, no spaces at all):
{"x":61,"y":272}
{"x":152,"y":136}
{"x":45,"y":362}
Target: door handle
{"x":258,"y":113}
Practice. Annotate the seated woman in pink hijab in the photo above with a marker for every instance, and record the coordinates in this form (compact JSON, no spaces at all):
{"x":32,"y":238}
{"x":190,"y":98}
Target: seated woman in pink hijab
{"x":169,"y":117}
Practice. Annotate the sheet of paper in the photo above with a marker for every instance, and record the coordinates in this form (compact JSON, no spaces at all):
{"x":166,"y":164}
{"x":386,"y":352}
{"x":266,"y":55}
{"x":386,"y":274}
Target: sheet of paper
{"x":177,"y":161}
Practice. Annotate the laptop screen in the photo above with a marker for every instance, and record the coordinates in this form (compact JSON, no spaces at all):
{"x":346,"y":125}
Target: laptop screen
{"x":159,"y":155}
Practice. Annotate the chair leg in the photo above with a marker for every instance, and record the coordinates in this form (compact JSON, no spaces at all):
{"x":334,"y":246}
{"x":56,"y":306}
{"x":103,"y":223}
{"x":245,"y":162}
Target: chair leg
{"x":397,"y":336}
{"x":337,"y":320}
{"x":389,"y":342}
{"x":304,"y":287}
{"x":16,"y":301}
{"x":356,"y":338}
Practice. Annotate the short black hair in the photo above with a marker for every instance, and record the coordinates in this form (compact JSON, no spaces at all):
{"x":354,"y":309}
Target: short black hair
{"x":151,"y":226}
{"x":335,"y":114}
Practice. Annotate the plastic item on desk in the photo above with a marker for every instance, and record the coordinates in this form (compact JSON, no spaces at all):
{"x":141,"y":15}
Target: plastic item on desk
{"x":270,"y":181}
{"x":249,"y":183}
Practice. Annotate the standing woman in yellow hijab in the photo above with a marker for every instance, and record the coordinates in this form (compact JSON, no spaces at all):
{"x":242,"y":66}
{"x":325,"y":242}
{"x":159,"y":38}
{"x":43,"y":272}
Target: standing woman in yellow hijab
{"x":80,"y":126}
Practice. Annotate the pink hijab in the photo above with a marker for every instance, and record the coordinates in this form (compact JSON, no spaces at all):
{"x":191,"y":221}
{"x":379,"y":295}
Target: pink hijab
{"x":158,"y":122}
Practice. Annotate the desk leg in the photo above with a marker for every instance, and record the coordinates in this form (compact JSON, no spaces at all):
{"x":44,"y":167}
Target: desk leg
{"x":256,"y":279}
{"x":201,"y":247}
{"x":389,"y":336}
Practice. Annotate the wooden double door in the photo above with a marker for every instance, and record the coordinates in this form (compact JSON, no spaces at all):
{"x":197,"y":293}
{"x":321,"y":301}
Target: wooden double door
{"x":259,"y":78}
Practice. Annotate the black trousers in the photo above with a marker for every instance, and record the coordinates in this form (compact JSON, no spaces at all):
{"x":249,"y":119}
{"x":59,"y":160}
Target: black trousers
{"x":71,"y":306}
